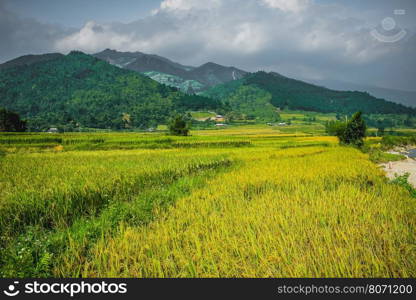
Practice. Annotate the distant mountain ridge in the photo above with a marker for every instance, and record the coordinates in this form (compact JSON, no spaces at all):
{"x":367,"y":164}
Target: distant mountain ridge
{"x":80,"y":90}
{"x":27,"y":60}
{"x":299,"y":95}
{"x":407,"y":98}
{"x":207,"y":75}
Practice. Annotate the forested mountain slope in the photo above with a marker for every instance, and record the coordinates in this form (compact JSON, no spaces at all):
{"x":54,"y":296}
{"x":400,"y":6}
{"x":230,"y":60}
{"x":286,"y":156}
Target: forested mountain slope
{"x":294,"y":94}
{"x":79,"y":90}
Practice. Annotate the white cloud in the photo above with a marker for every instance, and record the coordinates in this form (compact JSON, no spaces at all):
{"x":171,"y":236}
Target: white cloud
{"x":230,"y":26}
{"x":219,"y":26}
{"x":290,"y":36}
{"x":288,"y":5}
{"x":189,"y":4}
{"x":93,"y":36}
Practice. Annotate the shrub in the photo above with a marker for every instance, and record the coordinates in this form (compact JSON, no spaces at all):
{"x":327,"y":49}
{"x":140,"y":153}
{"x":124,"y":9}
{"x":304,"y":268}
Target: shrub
{"x":354,"y":132}
{"x":10,"y":121}
{"x":335,"y":128}
{"x":404,"y":182}
{"x":179,"y":126}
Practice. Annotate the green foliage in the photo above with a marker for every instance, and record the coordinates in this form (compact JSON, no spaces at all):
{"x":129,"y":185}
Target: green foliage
{"x":28,"y":256}
{"x":335,"y":128}
{"x":348,"y":133}
{"x":378,"y":156}
{"x":252,"y":103}
{"x":300,"y":95}
{"x":78,"y":90}
{"x":354,"y":133}
{"x":222,"y":91}
{"x":380,"y":131}
{"x":10,"y":121}
{"x":404,"y":182}
{"x":384,"y":121}
{"x":194,"y":102}
{"x":389,"y":141}
{"x":293,"y":94}
{"x":179,"y":125}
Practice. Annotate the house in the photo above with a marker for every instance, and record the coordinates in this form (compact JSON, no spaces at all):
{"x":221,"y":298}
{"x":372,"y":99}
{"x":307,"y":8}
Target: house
{"x":218,"y":118}
{"x":282,"y":124}
{"x":52,"y":130}
{"x":220,"y":125}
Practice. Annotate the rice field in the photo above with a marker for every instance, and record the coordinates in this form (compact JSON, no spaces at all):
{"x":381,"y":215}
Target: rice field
{"x":233,"y":203}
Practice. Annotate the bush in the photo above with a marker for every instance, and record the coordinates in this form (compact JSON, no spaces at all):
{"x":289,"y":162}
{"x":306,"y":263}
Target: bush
{"x":352,"y":132}
{"x":404,"y":182}
{"x":390,"y":141}
{"x":335,"y":128}
{"x":10,"y":121}
{"x":179,"y":126}
{"x":378,"y":156}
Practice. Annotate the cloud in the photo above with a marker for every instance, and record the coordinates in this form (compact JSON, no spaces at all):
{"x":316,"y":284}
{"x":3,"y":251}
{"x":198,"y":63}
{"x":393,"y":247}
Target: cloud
{"x":231,"y":26}
{"x":288,"y":6}
{"x":93,"y":37}
{"x":19,"y":36}
{"x":300,"y":38}
{"x":189,"y":4}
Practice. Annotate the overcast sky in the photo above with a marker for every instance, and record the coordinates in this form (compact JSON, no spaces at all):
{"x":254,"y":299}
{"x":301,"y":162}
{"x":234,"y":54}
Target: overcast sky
{"x":359,"y":41}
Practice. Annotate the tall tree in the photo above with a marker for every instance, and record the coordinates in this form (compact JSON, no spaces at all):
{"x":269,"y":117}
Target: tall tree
{"x":354,"y":133}
{"x":10,"y":121}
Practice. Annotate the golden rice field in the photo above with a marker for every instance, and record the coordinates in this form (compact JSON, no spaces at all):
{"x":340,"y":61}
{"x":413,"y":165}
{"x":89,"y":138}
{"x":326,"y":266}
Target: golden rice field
{"x":261,"y":204}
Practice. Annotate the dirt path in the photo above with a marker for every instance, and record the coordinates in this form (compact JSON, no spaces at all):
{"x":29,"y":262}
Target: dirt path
{"x":400,"y":168}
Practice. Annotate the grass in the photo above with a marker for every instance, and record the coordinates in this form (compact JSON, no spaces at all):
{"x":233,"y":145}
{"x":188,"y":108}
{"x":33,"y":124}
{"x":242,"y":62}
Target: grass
{"x":303,"y":213}
{"x":202,"y":115}
{"x":378,"y":156}
{"x":300,"y":116}
{"x":240,"y":202}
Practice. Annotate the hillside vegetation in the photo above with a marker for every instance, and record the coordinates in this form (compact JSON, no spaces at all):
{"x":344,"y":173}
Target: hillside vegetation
{"x":297,"y":95}
{"x":79,"y":90}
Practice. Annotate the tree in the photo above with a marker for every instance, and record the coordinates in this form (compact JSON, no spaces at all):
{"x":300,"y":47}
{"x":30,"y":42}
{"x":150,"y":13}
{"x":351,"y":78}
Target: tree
{"x":178,"y":125}
{"x":338,"y":117}
{"x":335,"y":128}
{"x":10,"y":121}
{"x":380,"y":131}
{"x":354,"y":131}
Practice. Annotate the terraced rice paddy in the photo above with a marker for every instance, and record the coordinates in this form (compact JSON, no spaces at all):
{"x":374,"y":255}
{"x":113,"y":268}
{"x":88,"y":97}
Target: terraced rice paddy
{"x":256,"y":204}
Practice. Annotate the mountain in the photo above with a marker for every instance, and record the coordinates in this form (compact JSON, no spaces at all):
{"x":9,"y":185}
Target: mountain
{"x":141,"y":62}
{"x":28,"y":60}
{"x":407,"y":98}
{"x":212,"y":74}
{"x":200,"y":78}
{"x":187,"y":86}
{"x":295,"y":94}
{"x":79,"y":90}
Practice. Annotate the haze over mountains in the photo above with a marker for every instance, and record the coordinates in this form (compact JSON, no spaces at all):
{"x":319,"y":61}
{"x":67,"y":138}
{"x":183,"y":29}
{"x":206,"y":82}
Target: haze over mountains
{"x":407,"y":98}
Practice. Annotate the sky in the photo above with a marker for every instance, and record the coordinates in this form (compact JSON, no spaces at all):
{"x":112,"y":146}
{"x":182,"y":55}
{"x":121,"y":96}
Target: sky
{"x":368,"y":42}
